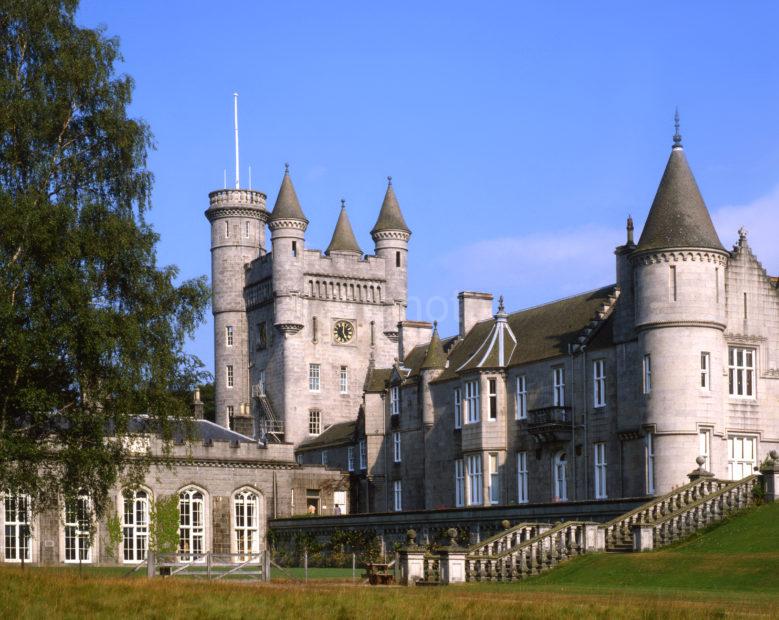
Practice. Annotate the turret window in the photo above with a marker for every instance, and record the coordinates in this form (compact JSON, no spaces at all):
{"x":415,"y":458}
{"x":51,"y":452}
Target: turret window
{"x":672,"y":283}
{"x":229,"y":335}
{"x":397,"y":259}
{"x":647,"y":374}
{"x":230,"y":376}
{"x":741,"y":372}
{"x":246,"y":229}
{"x":705,"y":371}
{"x":227,"y":229}
{"x":294,"y":248}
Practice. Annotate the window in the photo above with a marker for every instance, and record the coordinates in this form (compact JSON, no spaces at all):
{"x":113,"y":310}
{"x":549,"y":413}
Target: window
{"x":475,"y":497}
{"x":397,"y":493}
{"x":324,"y":457}
{"x":227,"y":229}
{"x":363,"y":455}
{"x":459,"y":483}
{"x":229,"y":335}
{"x":672,"y":283}
{"x":522,"y":497}
{"x":16,"y":525}
{"x":350,"y":458}
{"x":600,"y":470}
{"x":230,"y":377}
{"x":742,"y":451}
{"x":560,"y":477}
{"x":135,"y":525}
{"x":397,"y":259}
{"x":230,"y":414}
{"x":521,"y":412}
{"x":472,"y":401}
{"x":558,"y":386}
{"x":246,"y":229}
{"x":458,"y":408}
{"x":599,"y":383}
{"x":261,"y":383}
{"x":704,"y":447}
{"x":339,"y":503}
{"x":192,"y":533}
{"x":313,"y":377}
{"x":246,"y":528}
{"x":494,"y":478}
{"x":646,"y":384}
{"x":492,"y":385}
{"x":294,"y":248}
{"x":343,"y":379}
{"x":649,"y":458}
{"x":312,"y":501}
{"x":741,"y":372}
{"x":394,"y":400}
{"x":716,"y":282}
{"x":396,"y":446}
{"x":705,"y":371}
{"x":262,"y":336}
{"x":314,"y":422}
{"x":78,"y":534}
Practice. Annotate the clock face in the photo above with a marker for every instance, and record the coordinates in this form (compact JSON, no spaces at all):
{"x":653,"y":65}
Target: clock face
{"x":343,"y":332}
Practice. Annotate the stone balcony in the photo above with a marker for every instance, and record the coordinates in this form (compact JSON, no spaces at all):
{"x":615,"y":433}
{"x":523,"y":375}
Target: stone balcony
{"x":550,"y":424}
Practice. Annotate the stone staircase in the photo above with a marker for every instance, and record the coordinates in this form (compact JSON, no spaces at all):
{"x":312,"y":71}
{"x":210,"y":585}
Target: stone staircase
{"x":528,"y":549}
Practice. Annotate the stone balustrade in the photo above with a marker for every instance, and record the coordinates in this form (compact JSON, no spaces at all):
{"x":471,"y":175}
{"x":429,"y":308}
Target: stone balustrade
{"x":508,"y":539}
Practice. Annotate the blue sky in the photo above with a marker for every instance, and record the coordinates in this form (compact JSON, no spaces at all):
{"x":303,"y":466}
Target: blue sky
{"x":519,"y":135}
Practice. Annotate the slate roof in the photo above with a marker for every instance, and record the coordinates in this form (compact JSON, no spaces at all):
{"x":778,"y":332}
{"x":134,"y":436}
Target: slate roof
{"x":202,"y":430}
{"x":287,"y":205}
{"x":377,"y":379}
{"x":343,"y":236}
{"x":338,"y":434}
{"x":678,"y":217}
{"x":435,"y":357}
{"x":542,"y":332}
{"x":390,"y":216}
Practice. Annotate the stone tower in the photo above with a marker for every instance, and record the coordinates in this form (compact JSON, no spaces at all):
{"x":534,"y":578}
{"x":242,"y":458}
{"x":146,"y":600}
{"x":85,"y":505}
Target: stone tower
{"x":237,"y":218}
{"x":679,"y":266}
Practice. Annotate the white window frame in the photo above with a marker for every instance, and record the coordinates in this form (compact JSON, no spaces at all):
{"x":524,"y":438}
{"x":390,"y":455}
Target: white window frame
{"x":314,"y":377}
{"x":472,"y":402}
{"x":458,"y":408}
{"x":742,"y":456}
{"x":558,"y":386}
{"x":599,"y":383}
{"x":135,"y":525}
{"x":396,"y":452}
{"x":397,"y":494}
{"x":363,"y":454}
{"x":492,"y":400}
{"x":521,"y":398}
{"x":522,"y":495}
{"x":646,"y":374}
{"x":704,"y":447}
{"x":350,"y":458}
{"x":17,"y":532}
{"x":705,"y":370}
{"x":192,"y":524}
{"x":343,"y":379}
{"x":395,"y":400}
{"x":229,"y":335}
{"x":649,"y":463}
{"x":742,"y":372}
{"x":77,"y":528}
{"x":314,"y":421}
{"x":459,"y":483}
{"x":600,"y":464}
{"x":475,"y":488}
{"x":560,"y":476}
{"x":246,"y":525}
{"x":230,"y":376}
{"x":494,"y":479}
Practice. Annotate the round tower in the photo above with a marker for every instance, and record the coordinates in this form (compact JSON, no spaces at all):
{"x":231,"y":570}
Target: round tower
{"x":238,"y":218}
{"x":679,"y":265}
{"x":288,"y":237}
{"x":390,"y":236}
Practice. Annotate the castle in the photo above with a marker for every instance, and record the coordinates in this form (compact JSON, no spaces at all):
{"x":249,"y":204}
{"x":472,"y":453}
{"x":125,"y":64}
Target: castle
{"x":610,"y":393}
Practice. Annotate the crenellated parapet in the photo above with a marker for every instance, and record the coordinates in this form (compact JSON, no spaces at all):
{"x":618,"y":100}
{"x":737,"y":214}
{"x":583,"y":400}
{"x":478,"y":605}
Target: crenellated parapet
{"x":719,"y":258}
{"x":237,"y":203}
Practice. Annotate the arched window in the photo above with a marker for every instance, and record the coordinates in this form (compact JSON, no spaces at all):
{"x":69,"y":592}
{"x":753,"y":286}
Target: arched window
{"x":192,"y":531}
{"x":246,"y":524}
{"x":560,"y":477}
{"x":135,"y":525}
{"x":16,"y":527}
{"x":78,"y":533}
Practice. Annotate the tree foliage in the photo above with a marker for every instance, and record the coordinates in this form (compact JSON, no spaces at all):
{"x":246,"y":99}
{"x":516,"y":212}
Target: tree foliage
{"x":164,"y":524}
{"x":91,"y":328}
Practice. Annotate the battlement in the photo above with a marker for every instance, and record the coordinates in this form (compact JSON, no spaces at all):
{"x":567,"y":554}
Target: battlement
{"x":237,"y":203}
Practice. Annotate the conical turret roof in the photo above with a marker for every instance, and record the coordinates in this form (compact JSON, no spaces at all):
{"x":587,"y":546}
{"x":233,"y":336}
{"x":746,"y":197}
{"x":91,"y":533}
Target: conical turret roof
{"x":343,"y":236}
{"x":678,"y":217}
{"x":435,"y":356}
{"x":287,"y":205}
{"x":390,"y":216}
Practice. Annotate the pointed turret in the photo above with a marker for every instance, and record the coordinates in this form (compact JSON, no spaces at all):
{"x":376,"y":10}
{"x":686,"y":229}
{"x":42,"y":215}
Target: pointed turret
{"x":390,"y":216}
{"x":287,"y":205}
{"x":343,"y":236}
{"x":435,"y":357}
{"x":678,"y":217}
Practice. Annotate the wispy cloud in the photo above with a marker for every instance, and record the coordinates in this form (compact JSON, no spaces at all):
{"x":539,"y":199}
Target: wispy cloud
{"x":761,"y":220}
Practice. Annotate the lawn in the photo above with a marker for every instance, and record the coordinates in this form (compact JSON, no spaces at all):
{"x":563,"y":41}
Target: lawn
{"x":731,"y":571}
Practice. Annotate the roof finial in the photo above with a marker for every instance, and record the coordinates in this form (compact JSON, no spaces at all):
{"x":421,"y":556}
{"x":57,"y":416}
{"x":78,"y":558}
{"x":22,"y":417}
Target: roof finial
{"x":435,"y":326}
{"x":501,"y":309}
{"x":677,"y":135}
{"x":389,"y":180}
{"x":630,"y":231}
{"x":343,"y":203}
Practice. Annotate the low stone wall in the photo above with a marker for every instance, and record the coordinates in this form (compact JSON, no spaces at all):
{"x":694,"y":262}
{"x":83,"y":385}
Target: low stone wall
{"x":473,"y":523}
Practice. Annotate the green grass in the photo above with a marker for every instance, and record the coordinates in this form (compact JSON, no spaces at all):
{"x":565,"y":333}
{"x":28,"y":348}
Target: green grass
{"x":730,"y":571}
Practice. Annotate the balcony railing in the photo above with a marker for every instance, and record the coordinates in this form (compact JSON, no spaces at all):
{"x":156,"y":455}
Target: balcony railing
{"x":550,"y":424}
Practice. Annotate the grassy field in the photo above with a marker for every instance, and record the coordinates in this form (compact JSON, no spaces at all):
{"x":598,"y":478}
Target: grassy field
{"x":731,"y":571}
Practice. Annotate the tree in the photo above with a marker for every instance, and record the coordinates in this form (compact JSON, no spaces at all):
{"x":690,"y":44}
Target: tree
{"x":92,"y":330}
